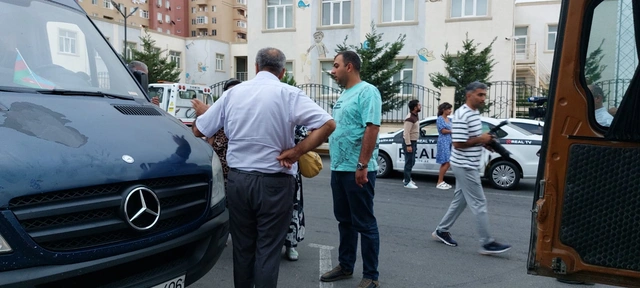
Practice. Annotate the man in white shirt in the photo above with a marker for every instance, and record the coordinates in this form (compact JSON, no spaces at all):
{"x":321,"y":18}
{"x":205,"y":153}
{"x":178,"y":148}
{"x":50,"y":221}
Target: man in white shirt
{"x":603,"y":117}
{"x":259,"y":117}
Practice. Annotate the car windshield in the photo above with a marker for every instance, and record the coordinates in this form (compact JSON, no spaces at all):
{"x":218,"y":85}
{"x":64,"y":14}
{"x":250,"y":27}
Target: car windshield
{"x":519,"y":129}
{"x":50,"y":46}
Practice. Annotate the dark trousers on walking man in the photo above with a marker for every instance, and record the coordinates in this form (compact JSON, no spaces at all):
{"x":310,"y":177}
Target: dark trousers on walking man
{"x":260,"y":210}
{"x":409,"y":160}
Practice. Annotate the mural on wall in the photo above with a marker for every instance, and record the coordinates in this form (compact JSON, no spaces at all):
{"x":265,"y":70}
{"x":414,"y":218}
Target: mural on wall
{"x":320,"y":47}
{"x":202,"y":67}
{"x":303,"y":5}
{"x":426,"y":55}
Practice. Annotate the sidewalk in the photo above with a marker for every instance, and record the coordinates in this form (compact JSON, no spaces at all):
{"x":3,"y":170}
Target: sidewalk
{"x":385,"y":128}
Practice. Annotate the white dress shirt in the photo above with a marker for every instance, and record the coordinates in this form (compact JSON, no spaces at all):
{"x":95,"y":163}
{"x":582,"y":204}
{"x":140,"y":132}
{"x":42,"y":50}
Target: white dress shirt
{"x":603,"y":117}
{"x":259,"y":118}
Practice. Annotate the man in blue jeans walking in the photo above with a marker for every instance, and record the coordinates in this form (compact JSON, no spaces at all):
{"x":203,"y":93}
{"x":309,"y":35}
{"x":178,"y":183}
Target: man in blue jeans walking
{"x":353,"y":150}
{"x":410,"y":144}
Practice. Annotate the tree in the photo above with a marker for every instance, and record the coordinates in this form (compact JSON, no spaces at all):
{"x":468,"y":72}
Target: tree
{"x":160,"y":68}
{"x":288,"y":79}
{"x":466,"y":66}
{"x":593,"y":69}
{"x":379,"y":65}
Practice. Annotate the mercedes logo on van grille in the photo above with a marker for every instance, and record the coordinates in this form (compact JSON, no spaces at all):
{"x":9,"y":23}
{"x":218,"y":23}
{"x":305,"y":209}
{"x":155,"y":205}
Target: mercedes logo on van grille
{"x":141,"y":208}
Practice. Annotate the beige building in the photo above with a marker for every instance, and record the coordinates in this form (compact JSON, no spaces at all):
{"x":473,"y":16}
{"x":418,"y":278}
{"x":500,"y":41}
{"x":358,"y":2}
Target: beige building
{"x":222,"y":20}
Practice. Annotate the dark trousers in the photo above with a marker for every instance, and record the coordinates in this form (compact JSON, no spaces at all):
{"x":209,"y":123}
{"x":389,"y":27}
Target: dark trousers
{"x":353,"y":208}
{"x":260,"y":210}
{"x":409,"y":160}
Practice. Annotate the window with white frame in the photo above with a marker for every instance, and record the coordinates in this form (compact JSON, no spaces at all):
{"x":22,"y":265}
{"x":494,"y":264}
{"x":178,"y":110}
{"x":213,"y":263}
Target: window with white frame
{"x":336,"y":12}
{"x":201,"y":20}
{"x":167,"y":18}
{"x":469,"y":8}
{"x":132,"y":46}
{"x":327,"y":80}
{"x":168,"y":4}
{"x":214,"y":20}
{"x":279,"y":14}
{"x":193,"y":10}
{"x":107,"y":4}
{"x":289,"y":67}
{"x":67,"y":41}
{"x":243,"y":2}
{"x":193,"y":33}
{"x":94,"y":2}
{"x":213,"y":8}
{"x":144,"y":14}
{"x":405,"y":75}
{"x":521,"y":34}
{"x":159,"y":16}
{"x":214,"y":32}
{"x":241,"y":24}
{"x":552,"y":32}
{"x":219,"y":62}
{"x":159,"y":29}
{"x":398,"y":10}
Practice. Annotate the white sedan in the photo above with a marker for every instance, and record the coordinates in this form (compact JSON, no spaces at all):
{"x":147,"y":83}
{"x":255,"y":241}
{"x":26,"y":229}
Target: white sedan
{"x":503,"y":173}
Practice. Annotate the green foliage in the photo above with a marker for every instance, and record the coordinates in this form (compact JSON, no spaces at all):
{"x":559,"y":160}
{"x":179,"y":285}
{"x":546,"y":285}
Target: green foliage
{"x":466,"y":66}
{"x":379,"y":65}
{"x":593,"y":69}
{"x":160,"y":68}
{"x":289,"y":80}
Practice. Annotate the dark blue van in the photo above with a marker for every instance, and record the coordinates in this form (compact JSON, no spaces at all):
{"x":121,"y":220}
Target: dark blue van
{"x":98,"y":187}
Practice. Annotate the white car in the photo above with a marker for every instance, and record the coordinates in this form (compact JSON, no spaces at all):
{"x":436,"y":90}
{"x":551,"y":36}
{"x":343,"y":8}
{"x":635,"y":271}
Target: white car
{"x":503,"y":173}
{"x":533,"y":126}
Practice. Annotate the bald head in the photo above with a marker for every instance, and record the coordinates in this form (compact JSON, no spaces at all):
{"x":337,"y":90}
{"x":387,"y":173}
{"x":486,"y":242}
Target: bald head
{"x":139,"y":66}
{"x":270,"y":59}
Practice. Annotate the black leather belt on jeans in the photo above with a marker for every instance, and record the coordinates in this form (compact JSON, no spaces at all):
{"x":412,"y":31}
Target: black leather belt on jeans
{"x":279,"y":174}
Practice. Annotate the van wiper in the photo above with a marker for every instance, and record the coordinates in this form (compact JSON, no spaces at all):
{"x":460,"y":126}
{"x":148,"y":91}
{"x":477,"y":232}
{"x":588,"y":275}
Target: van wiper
{"x":84,"y":93}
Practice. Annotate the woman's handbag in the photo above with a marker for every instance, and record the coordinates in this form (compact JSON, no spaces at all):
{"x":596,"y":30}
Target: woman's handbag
{"x":310,"y":164}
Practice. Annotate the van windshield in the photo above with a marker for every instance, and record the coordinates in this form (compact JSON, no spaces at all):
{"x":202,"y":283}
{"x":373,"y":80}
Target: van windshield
{"x":50,"y":46}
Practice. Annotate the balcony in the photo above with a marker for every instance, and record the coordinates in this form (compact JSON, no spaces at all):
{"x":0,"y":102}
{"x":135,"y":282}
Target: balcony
{"x":239,"y":3}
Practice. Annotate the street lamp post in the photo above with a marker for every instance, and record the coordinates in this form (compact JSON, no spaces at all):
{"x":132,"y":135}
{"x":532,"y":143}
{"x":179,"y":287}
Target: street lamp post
{"x":125,"y":15}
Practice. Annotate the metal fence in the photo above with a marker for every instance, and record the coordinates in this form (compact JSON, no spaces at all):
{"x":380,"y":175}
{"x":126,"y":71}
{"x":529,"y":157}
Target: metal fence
{"x":614,"y":90}
{"x":508,"y":99}
{"x":429,"y":99}
{"x":325,"y":96}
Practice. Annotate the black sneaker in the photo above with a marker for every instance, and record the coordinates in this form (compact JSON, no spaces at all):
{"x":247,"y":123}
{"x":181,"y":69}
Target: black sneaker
{"x":494,"y":248}
{"x":336,"y":274}
{"x":444,"y":237}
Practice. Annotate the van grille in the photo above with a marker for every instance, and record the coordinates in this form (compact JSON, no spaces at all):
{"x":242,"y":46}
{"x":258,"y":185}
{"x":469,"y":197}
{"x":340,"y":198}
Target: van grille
{"x":89,"y":217}
{"x":137,"y":110}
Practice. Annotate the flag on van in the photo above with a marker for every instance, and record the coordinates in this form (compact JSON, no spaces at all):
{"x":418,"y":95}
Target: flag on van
{"x":22,"y":75}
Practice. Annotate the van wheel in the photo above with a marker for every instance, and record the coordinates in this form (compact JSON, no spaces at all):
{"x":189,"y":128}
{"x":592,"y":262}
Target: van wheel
{"x":504,"y":175}
{"x":384,"y":165}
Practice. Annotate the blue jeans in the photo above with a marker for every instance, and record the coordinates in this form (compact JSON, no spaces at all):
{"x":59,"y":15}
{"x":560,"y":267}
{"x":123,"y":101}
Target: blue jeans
{"x":409,"y":160}
{"x":353,"y":208}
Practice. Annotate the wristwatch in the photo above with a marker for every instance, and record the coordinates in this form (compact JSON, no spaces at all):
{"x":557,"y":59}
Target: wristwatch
{"x":361,"y":166}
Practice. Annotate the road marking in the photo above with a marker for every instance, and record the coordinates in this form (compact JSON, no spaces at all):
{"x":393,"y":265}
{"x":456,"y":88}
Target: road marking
{"x":325,"y":262}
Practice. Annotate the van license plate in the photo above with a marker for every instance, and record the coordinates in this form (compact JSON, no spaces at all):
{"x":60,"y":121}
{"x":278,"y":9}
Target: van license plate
{"x":173,"y":283}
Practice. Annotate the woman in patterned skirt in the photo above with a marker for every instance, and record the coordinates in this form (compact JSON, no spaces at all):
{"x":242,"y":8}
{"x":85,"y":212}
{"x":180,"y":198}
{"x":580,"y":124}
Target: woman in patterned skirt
{"x":296,"y":228}
{"x":444,"y":143}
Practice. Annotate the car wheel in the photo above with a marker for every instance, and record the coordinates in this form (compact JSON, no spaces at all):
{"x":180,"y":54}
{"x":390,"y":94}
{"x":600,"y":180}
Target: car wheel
{"x":384,"y":165}
{"x":504,"y":175}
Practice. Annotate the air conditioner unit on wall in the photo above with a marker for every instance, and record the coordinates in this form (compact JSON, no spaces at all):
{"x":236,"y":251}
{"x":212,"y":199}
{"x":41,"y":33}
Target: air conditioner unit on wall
{"x":160,"y":21}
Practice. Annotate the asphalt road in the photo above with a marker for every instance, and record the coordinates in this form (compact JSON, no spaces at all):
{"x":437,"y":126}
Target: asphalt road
{"x":409,"y":257}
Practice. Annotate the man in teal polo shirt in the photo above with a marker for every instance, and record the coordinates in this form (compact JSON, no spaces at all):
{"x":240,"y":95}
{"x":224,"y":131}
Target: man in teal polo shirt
{"x":353,"y":149}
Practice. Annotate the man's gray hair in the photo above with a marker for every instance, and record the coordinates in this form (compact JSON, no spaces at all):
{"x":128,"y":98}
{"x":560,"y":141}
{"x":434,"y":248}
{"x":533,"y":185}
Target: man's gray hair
{"x":271,"y":59}
{"x":473,"y":86}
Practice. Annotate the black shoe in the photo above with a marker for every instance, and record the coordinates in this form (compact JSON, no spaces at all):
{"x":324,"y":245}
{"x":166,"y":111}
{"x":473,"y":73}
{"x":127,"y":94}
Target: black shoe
{"x":368,"y":283}
{"x":336,"y":274}
{"x":494,"y":248}
{"x":445,"y":237}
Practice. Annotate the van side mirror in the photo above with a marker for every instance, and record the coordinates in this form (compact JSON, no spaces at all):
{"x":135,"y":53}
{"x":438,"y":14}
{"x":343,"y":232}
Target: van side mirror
{"x":143,"y":79}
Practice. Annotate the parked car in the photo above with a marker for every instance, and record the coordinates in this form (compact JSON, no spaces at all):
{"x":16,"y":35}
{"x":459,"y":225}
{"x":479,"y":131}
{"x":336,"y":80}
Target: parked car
{"x":533,"y":126}
{"x":503,"y":173}
{"x":98,"y":186}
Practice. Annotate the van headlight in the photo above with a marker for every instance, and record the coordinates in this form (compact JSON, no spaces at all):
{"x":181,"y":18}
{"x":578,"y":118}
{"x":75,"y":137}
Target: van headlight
{"x":217,"y":181}
{"x":4,"y":246}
